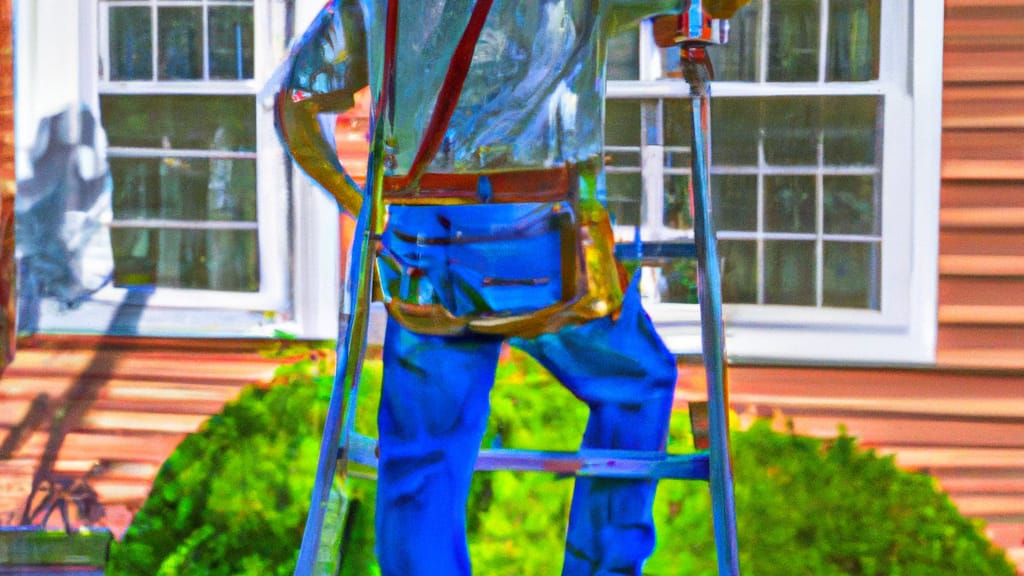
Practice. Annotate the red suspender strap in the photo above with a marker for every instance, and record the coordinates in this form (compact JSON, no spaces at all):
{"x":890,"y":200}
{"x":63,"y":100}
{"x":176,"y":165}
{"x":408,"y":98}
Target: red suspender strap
{"x":448,"y":97}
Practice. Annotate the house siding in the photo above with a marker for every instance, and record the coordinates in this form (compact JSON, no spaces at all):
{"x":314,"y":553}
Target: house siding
{"x":71,"y":403}
{"x":7,"y":185}
{"x":981,"y":248}
{"x":981,"y":238}
{"x":961,"y":420}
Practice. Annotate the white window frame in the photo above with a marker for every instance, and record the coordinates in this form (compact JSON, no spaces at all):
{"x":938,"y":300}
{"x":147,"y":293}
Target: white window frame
{"x":274,"y":294}
{"x":297,"y":223}
{"x":903,"y":330}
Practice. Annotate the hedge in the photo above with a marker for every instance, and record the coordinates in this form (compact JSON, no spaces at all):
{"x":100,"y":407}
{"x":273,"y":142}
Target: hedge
{"x":232,"y":498}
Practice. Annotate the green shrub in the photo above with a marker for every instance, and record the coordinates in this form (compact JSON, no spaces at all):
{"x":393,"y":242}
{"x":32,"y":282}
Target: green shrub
{"x":232,"y":498}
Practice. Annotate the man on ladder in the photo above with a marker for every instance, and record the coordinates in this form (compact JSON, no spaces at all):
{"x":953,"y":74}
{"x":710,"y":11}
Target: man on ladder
{"x":487,"y":152}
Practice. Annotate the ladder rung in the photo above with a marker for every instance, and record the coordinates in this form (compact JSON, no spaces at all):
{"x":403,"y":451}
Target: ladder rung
{"x":655,"y":251}
{"x":602,"y":463}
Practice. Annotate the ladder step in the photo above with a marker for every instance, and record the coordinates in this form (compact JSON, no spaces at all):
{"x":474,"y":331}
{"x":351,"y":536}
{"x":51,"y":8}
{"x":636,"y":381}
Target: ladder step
{"x":599,"y":463}
{"x":654,"y":251}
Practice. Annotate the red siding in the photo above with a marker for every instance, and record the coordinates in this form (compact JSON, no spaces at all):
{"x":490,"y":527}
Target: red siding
{"x":7,"y":180}
{"x":962,"y":420}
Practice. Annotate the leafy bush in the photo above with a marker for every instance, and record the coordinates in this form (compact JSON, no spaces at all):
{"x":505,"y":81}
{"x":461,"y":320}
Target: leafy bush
{"x":232,"y":498}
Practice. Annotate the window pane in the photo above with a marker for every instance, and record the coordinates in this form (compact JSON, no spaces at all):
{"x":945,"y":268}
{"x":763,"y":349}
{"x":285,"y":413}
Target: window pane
{"x":790,"y":127}
{"x":623,"y":158}
{"x":184,"y":189}
{"x":232,"y":260}
{"x":166,"y":200}
{"x":853,"y":39}
{"x":739,"y":271}
{"x":231,"y":39}
{"x":231,"y":190}
{"x":131,"y":44}
{"x":789,"y":204}
{"x":734,"y":199}
{"x":136,"y":185}
{"x":789,"y":273}
{"x":622,"y":122}
{"x":179,"y":181}
{"x":677,"y":203}
{"x":676,"y":122}
{"x":133,"y":257}
{"x":677,"y":281}
{"x":624,"y":192}
{"x":852,"y":130}
{"x":200,"y":259}
{"x":851,"y":275}
{"x":180,"y":33}
{"x":793,"y":29}
{"x":737,"y":60}
{"x":624,"y":56}
{"x":736,"y":130}
{"x":851,"y":205}
{"x":182,"y":122}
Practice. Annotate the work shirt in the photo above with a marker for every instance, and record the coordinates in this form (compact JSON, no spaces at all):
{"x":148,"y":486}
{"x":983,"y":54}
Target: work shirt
{"x":526,"y":131}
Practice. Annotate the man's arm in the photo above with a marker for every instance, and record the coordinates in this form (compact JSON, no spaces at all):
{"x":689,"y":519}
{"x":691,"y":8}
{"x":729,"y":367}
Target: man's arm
{"x":326,"y":68}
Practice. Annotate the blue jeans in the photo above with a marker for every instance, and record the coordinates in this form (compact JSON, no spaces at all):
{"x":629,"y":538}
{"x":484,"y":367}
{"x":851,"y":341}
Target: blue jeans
{"x":433,"y":415}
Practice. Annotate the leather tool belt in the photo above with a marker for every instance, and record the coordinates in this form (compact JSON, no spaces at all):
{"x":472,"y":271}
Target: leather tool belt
{"x":433,"y":188}
{"x":551,"y":266}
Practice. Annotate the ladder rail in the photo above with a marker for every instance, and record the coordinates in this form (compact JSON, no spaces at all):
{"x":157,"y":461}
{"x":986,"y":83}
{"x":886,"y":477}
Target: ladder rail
{"x":697,"y":70}
{"x":341,"y":444}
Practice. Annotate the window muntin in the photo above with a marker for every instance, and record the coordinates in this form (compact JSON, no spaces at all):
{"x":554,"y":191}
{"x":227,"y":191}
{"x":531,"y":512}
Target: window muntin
{"x":796,"y":180}
{"x":800,"y":177}
{"x":847,"y":328}
{"x":166,"y":40}
{"x":178,"y":101}
{"x":782,"y":40}
{"x":131,"y":43}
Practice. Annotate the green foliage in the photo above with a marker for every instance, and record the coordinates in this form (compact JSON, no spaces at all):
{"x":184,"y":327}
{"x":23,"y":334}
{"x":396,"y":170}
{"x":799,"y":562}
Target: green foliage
{"x":680,"y":276}
{"x":823,"y":508}
{"x":22,"y":548}
{"x":232,"y":499}
{"x":517,"y":521}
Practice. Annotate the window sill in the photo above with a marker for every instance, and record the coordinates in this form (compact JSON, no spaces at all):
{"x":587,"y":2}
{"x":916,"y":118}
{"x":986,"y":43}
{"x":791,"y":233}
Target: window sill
{"x":820,"y":342}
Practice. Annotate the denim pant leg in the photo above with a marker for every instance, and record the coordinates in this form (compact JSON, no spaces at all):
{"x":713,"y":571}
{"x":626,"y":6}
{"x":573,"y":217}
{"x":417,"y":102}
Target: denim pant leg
{"x":433,"y":414}
{"x":627,"y":376}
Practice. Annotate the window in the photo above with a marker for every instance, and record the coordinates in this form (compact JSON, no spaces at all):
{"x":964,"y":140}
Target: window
{"x":824,"y":178}
{"x":196,"y":200}
{"x":209,"y":235}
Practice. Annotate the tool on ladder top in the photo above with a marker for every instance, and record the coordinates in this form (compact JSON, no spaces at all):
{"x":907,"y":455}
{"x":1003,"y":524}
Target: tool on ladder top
{"x":702,"y":23}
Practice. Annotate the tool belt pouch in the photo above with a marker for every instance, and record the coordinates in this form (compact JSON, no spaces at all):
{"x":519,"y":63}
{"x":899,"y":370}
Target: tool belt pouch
{"x":524,"y":276}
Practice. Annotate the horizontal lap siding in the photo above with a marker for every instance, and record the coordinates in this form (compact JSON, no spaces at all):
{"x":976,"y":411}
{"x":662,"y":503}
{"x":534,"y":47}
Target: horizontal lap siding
{"x":126,"y":402}
{"x":7,"y":179}
{"x":981,"y":262}
{"x":981,"y":248}
{"x":143,"y":396}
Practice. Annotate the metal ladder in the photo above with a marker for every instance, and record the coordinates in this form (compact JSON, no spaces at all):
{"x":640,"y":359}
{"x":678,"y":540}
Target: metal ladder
{"x":342,"y":445}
